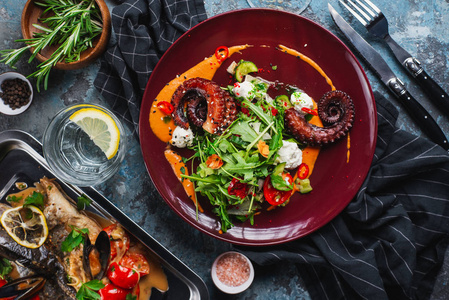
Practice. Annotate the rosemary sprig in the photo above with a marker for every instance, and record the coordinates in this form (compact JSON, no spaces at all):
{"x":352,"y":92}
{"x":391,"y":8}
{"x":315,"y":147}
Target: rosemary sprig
{"x":70,"y":24}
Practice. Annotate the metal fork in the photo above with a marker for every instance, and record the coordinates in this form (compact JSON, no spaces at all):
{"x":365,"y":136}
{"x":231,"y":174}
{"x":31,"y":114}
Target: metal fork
{"x":375,"y":22}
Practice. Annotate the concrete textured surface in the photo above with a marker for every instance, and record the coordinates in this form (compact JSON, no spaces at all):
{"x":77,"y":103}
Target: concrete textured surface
{"x":419,"y":26}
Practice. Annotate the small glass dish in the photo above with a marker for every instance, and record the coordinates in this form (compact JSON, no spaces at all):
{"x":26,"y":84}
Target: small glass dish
{"x":5,"y":108}
{"x":73,"y":156}
{"x":232,"y":272}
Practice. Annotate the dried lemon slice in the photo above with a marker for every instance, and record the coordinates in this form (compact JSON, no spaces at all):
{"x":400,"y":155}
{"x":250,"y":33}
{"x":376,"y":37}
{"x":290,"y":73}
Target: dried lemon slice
{"x":100,"y":127}
{"x":26,"y":225}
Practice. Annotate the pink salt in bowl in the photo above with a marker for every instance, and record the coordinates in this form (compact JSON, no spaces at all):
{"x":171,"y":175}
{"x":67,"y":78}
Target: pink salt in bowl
{"x":232,"y":272}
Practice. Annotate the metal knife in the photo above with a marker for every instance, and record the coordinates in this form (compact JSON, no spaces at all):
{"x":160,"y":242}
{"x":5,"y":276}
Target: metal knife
{"x":386,"y":75}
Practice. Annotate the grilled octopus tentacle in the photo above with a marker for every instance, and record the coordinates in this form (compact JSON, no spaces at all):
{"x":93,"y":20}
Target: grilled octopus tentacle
{"x":205,"y":104}
{"x":335,"y":109}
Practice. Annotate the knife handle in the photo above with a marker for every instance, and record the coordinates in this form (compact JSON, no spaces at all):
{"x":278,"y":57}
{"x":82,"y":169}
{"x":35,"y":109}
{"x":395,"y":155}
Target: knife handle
{"x":436,"y":93}
{"x":418,"y":113}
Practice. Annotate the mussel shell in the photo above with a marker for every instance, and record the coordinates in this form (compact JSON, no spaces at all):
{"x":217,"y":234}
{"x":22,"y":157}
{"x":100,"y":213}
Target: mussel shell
{"x":103,"y":246}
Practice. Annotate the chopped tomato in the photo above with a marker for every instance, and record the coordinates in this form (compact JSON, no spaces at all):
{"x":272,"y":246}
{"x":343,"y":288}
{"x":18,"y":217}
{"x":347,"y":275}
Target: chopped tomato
{"x":238,"y":188}
{"x":137,"y":262}
{"x":123,"y":277}
{"x":113,"y":292}
{"x":166,"y":107}
{"x":309,"y":111}
{"x":214,"y":162}
{"x":119,"y":239}
{"x":274,"y":196}
{"x":303,"y":171}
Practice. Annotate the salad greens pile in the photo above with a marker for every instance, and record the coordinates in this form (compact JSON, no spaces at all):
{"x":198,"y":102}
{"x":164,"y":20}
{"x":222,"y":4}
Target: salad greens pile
{"x":235,"y":186}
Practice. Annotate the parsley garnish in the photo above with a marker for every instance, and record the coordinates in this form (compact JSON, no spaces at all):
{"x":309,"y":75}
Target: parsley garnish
{"x":83,"y":202}
{"x":35,"y":199}
{"x":5,"y":268}
{"x":88,"y":290}
{"x":74,"y":239}
{"x":131,"y":297}
{"x":13,"y":198}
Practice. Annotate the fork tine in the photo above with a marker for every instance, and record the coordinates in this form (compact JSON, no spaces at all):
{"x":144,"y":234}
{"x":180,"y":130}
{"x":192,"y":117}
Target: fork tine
{"x":376,"y":9}
{"x":366,"y":8}
{"x":360,"y":18}
{"x":368,"y":18}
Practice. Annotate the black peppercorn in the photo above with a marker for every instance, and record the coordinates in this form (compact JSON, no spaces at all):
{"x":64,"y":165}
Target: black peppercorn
{"x":15,"y":92}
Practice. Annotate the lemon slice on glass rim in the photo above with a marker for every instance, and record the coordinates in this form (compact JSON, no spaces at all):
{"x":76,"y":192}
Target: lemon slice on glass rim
{"x":100,"y":127}
{"x":26,"y":225}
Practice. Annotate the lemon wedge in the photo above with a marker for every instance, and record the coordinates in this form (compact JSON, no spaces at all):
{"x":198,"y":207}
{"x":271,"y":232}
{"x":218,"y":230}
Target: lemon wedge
{"x":26,"y":225}
{"x":100,"y":127}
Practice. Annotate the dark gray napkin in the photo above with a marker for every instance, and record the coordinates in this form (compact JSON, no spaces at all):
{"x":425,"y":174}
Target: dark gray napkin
{"x":142,"y":31}
{"x":389,"y":242}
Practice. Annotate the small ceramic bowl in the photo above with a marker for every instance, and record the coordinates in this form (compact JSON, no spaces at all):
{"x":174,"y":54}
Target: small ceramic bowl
{"x":32,"y":12}
{"x":232,"y":272}
{"x":6,"y":109}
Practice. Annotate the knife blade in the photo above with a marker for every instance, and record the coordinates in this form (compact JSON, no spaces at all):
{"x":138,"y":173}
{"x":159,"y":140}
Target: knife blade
{"x":397,"y":87}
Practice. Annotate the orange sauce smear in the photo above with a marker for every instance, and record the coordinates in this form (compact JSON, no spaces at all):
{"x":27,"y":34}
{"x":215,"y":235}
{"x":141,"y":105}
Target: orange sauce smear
{"x":178,"y":166}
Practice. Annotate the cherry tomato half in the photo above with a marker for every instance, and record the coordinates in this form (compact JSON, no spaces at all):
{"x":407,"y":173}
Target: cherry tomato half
{"x":120,"y":244}
{"x":274,"y":196}
{"x":113,"y":292}
{"x":238,"y":188}
{"x":123,"y":277}
{"x":166,"y":107}
{"x":137,"y":262}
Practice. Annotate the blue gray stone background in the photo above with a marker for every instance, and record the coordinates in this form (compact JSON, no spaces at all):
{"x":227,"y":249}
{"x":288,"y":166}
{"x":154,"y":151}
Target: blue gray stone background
{"x":419,"y":26}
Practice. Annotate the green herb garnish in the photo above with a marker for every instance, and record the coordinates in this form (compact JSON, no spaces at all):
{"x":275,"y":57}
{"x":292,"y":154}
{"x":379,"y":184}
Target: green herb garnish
{"x":88,"y":290}
{"x":83,"y":202}
{"x":35,"y":199}
{"x":131,"y":297}
{"x":74,"y":239}
{"x":13,"y":198}
{"x":5,"y":268}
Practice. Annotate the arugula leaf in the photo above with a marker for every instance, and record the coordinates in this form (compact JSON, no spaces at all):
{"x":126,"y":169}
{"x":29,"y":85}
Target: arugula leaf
{"x":74,"y":239}
{"x":83,"y":202}
{"x":35,"y":199}
{"x":279,"y":183}
{"x":131,"y":297}
{"x":5,"y":268}
{"x":245,"y":131}
{"x":88,"y":290}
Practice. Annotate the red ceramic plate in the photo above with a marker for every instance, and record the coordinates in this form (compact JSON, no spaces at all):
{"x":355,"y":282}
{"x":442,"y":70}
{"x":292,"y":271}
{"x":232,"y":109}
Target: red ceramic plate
{"x":335,"y":180}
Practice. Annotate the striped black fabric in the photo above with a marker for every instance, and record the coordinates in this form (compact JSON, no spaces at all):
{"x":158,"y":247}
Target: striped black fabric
{"x":390,"y":240}
{"x":142,"y":31}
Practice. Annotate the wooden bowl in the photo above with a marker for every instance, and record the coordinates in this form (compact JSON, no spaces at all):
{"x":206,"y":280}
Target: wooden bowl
{"x":30,"y":16}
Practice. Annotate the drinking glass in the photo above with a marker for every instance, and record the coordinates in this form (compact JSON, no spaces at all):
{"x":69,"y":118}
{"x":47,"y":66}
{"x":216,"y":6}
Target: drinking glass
{"x":73,"y":156}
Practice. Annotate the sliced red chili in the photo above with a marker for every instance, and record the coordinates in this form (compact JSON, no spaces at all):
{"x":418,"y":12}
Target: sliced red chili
{"x":221,"y":53}
{"x":309,"y":111}
{"x":165,"y":107}
{"x":238,"y":188}
{"x":274,"y":111}
{"x":303,"y":171}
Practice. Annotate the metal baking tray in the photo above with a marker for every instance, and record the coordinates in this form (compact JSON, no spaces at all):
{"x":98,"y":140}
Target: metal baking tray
{"x":21,"y":160}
